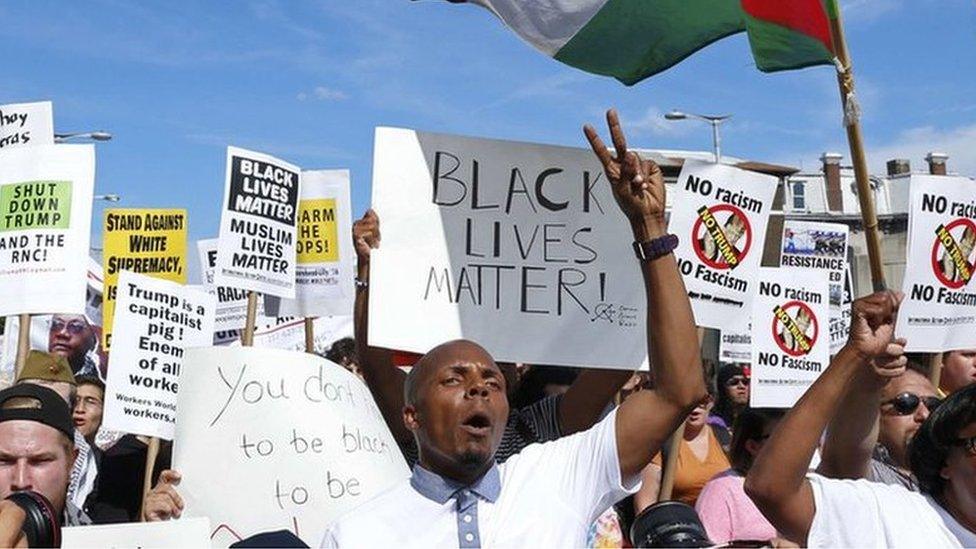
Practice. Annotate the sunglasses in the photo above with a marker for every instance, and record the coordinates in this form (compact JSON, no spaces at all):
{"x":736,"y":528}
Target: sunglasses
{"x":968,"y":443}
{"x":737,"y":380}
{"x":906,"y":403}
{"x":73,"y":327}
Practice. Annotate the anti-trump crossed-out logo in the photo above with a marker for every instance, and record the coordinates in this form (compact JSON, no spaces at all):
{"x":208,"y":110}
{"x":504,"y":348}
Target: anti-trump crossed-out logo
{"x":952,"y":253}
{"x":795,"y":328}
{"x":721,"y":236}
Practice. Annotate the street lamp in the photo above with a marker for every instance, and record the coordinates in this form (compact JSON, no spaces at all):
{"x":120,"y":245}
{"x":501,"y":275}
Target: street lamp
{"x":107,"y":197}
{"x":94,"y":136}
{"x":715,"y":121}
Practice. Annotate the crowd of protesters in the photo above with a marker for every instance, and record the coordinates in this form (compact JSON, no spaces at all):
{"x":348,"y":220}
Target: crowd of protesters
{"x":540,"y":455}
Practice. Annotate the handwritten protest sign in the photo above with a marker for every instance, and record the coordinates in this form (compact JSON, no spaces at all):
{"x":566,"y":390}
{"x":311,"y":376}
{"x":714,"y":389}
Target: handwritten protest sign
{"x":257,"y":225}
{"x":939,"y":310}
{"x":735,"y":346}
{"x":75,"y":337}
{"x":302,"y":433}
{"x":823,"y":247}
{"x":26,"y":124}
{"x":187,"y":532}
{"x":324,"y":273}
{"x":147,"y":241}
{"x":157,"y":321}
{"x":231,"y":302}
{"x":45,"y":213}
{"x":790,"y":346}
{"x":517,"y":246}
{"x":720,"y":215}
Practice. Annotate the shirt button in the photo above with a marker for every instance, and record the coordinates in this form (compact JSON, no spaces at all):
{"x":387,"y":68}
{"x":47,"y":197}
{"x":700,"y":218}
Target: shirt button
{"x":465,"y":492}
{"x":468,"y":537}
{"x":467,"y":518}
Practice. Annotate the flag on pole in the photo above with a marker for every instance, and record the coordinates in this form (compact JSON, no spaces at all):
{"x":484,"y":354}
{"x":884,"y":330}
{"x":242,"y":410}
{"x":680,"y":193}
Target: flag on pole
{"x":631,"y":40}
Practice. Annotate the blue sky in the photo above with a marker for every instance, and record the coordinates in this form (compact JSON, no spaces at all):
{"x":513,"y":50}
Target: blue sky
{"x":177,"y":82}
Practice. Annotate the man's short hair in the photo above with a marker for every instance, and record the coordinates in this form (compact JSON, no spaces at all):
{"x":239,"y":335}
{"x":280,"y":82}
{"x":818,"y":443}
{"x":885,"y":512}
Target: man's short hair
{"x":342,"y":351}
{"x":930,"y":446}
{"x":90,"y":380}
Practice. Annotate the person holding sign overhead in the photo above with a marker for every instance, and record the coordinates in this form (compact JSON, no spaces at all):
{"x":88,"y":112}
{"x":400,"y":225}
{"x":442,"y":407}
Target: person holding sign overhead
{"x":456,"y":408}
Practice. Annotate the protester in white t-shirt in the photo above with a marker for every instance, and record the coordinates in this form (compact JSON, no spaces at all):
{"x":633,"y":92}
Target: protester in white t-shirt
{"x":859,"y":513}
{"x":549,"y":494}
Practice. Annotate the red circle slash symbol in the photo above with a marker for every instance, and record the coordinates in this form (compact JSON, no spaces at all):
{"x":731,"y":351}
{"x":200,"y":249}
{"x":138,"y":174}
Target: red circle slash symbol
{"x":795,"y":328}
{"x":717,"y":236}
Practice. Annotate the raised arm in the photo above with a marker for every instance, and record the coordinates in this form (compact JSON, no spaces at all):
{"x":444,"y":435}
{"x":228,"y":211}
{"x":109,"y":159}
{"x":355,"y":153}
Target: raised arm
{"x":777,"y":482}
{"x":382,"y":377}
{"x":580,"y":408}
{"x":646,"y":419}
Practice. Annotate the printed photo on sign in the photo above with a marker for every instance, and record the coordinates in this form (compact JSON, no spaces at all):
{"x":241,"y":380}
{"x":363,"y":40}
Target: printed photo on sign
{"x":304,"y":432}
{"x":157,"y":321}
{"x":146,"y":241}
{"x":326,"y":259}
{"x":45,"y":215}
{"x":26,"y":124}
{"x":257,"y":225}
{"x":789,"y":346}
{"x":76,"y":337}
{"x":720,"y":215}
{"x":939,"y":310}
{"x":480,"y":234}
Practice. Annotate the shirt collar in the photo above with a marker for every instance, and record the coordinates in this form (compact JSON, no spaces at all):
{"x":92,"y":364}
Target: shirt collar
{"x":439,"y":489}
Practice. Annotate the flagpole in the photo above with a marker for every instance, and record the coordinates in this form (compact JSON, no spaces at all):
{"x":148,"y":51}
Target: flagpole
{"x":845,"y":80}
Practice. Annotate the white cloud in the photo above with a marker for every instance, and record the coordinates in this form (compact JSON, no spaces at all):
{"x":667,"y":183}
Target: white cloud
{"x":322,"y":93}
{"x":915,"y":143}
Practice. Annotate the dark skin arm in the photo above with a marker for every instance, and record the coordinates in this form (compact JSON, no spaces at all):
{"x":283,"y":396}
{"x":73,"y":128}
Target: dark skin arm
{"x":382,"y":377}
{"x":777,"y":482}
{"x":646,"y":419}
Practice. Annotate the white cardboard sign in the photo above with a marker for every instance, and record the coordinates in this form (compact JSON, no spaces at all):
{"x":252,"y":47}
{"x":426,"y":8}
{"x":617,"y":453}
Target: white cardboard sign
{"x":822,"y":247}
{"x":790,"y":342}
{"x":720,"y":215}
{"x":939,"y":310}
{"x":735,"y":346}
{"x":257,"y":224}
{"x":186,"y":532}
{"x":45,"y":220}
{"x":302,"y":436}
{"x":155,"y":322}
{"x":326,"y":258}
{"x":231,"y":302}
{"x":518,"y":246}
{"x":26,"y":124}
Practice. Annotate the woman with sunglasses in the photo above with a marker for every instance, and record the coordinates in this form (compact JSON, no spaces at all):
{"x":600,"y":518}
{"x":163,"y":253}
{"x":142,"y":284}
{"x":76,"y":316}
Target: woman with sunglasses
{"x":869,"y":436}
{"x":733,"y":393}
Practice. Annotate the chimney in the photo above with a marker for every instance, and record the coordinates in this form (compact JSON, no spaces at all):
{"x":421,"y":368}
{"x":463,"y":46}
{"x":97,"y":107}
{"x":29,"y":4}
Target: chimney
{"x":831,"y":170}
{"x":937,"y":162}
{"x":899,"y":166}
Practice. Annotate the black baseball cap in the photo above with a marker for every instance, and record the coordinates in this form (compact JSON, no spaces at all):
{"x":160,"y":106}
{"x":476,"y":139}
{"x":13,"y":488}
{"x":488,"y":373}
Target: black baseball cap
{"x":38,"y":404}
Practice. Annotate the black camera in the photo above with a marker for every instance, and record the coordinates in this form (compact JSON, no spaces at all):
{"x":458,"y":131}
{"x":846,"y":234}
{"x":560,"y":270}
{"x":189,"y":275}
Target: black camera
{"x":669,"y":524}
{"x":42,"y":525}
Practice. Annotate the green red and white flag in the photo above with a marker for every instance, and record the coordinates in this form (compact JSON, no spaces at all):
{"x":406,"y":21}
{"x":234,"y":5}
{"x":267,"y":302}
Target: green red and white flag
{"x":631,"y":40}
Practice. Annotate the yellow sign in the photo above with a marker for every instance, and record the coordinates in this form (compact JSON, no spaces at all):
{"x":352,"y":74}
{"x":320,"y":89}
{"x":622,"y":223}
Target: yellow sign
{"x":318,"y":234}
{"x":146,"y":241}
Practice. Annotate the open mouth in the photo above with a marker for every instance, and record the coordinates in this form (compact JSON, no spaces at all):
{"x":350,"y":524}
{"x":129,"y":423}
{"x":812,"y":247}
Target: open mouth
{"x":79,"y":422}
{"x":58,"y":348}
{"x":477,"y":424}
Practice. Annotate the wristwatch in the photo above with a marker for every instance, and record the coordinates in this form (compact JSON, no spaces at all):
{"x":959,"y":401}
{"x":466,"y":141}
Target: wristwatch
{"x":655,"y":248}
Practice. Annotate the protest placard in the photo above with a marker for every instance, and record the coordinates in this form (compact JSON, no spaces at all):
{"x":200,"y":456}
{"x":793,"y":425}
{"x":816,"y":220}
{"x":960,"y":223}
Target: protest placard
{"x":45,"y":214}
{"x":147,"y":241}
{"x":257,"y":224}
{"x":156,"y":322}
{"x":231,"y":302}
{"x":325,"y":262}
{"x":840,"y":325}
{"x":939,"y":310}
{"x":73,"y":336}
{"x":518,"y":246}
{"x":790,"y":347}
{"x":735,"y":346}
{"x":186,"y":532}
{"x":720,"y":215}
{"x":303,"y":432}
{"x":26,"y":124}
{"x":821,"y":246}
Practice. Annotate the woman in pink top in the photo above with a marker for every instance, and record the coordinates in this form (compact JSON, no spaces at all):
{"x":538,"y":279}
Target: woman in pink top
{"x":725,"y":509}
